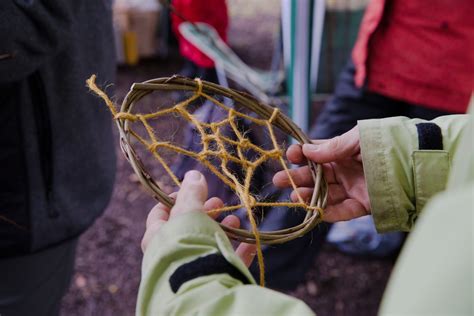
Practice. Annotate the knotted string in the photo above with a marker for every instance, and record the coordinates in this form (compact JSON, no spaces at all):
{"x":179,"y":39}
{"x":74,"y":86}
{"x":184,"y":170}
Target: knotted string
{"x":211,"y":132}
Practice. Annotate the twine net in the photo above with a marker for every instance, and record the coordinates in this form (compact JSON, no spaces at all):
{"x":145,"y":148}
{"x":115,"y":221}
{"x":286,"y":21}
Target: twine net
{"x":215,"y":144}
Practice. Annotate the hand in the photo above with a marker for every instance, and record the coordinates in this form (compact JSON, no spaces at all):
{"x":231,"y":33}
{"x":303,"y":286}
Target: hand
{"x":340,"y":158}
{"x":191,"y":197}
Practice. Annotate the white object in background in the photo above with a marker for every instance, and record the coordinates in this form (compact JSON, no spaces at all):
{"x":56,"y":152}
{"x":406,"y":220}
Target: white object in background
{"x":319,"y":9}
{"x":138,"y":5}
{"x":286,"y":32}
{"x":300,"y":60}
{"x":302,"y":35}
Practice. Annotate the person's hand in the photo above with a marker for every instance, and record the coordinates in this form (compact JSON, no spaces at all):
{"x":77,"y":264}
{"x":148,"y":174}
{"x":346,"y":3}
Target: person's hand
{"x":342,"y":167}
{"x":191,"y":197}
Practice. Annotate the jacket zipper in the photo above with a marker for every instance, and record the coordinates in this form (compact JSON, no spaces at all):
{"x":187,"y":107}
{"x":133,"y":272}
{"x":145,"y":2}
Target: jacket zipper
{"x":43,"y":126}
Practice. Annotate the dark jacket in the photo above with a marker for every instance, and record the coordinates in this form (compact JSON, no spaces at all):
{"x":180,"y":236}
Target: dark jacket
{"x":57,"y":160}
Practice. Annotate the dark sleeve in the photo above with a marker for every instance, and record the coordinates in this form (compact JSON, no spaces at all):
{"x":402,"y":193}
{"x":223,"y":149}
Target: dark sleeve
{"x":31,"y":32}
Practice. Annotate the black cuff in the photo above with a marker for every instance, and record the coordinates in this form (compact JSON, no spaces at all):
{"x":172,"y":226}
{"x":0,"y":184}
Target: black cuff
{"x":429,"y":136}
{"x":202,"y":266}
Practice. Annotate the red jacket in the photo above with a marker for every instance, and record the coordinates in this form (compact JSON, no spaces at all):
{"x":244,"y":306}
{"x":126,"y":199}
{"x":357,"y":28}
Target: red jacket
{"x":213,"y":12}
{"x":421,"y":52}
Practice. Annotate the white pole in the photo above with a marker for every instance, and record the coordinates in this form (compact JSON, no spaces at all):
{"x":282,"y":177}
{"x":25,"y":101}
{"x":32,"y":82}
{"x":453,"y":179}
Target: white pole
{"x":286,"y":33}
{"x":301,"y":63}
{"x":319,"y":10}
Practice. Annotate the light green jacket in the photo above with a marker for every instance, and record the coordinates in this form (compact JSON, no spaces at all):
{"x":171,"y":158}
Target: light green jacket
{"x":433,"y":275}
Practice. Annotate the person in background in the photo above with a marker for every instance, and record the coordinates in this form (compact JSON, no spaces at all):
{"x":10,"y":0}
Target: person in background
{"x":411,"y":58}
{"x":212,"y":12}
{"x":57,"y":162}
{"x":190,"y":266}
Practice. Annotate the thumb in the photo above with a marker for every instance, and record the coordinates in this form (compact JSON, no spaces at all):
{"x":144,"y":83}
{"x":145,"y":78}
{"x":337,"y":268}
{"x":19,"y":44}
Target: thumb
{"x":337,"y":148}
{"x":191,"y":195}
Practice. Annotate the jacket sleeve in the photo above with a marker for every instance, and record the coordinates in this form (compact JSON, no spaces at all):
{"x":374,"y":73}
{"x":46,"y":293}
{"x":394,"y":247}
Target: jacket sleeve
{"x":433,"y":275}
{"x":180,"y":278}
{"x":32,"y":32}
{"x":400,"y":176}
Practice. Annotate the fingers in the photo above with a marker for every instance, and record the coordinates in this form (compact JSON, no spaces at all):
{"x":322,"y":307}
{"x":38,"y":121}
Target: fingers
{"x":158,"y":213}
{"x":151,"y":231}
{"x":192,"y":194}
{"x":336,"y":194}
{"x":337,"y":148}
{"x":301,"y":176}
{"x":212,"y":204}
{"x":246,"y":252}
{"x":344,"y":211}
{"x":156,"y":218}
{"x":304,"y":192}
{"x":294,"y":153}
{"x":231,"y":221}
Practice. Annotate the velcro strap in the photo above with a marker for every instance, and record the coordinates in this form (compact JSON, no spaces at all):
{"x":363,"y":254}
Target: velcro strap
{"x":430,"y":163}
{"x":429,"y":136}
{"x":203,"y":266}
{"x":431,"y":170}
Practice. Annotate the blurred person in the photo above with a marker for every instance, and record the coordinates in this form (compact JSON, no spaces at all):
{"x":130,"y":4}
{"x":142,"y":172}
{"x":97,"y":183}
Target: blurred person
{"x":57,"y":161}
{"x":190,"y":266}
{"x":212,"y":12}
{"x":411,"y":58}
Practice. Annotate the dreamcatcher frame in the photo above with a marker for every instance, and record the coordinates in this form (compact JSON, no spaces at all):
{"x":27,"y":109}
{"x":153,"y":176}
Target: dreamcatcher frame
{"x":139,"y":90}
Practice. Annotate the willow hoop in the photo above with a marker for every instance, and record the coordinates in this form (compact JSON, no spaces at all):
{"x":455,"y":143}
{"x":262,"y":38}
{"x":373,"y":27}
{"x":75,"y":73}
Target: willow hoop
{"x":264,"y":111}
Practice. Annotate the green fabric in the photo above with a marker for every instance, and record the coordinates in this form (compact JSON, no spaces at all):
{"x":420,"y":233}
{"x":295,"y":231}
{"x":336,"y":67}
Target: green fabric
{"x":430,"y":174}
{"x":390,"y":148}
{"x":463,"y":165}
{"x":184,"y":239}
{"x":433,"y":275}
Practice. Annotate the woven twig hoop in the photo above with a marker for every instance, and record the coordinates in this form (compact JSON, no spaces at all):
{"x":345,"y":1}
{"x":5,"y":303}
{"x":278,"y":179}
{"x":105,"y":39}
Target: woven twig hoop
{"x":176,"y":83}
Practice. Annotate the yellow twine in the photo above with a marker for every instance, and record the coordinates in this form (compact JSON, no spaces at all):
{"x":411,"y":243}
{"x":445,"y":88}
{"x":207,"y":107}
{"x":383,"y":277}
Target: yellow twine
{"x":225,"y":175}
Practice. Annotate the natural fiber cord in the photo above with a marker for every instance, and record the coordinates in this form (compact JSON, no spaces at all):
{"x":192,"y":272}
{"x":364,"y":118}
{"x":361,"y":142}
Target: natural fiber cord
{"x":211,"y":132}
